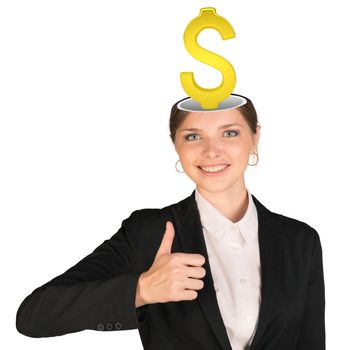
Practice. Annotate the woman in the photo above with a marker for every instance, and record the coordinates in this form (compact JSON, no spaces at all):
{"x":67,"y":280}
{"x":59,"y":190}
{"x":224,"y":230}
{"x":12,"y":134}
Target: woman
{"x":217,"y":270}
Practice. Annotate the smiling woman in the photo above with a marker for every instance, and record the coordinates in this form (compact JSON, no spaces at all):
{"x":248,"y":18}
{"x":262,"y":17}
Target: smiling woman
{"x":215,"y":271}
{"x":214,"y":149}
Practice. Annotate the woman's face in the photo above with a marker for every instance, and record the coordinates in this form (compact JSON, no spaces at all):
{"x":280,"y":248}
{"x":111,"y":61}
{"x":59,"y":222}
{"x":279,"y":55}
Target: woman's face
{"x":212,"y":143}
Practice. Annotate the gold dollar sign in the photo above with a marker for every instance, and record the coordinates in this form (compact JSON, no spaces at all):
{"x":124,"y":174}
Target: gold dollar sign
{"x":208,"y":98}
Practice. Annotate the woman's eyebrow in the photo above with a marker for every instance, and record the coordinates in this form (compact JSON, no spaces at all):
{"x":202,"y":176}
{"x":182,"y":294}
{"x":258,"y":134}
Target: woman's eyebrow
{"x":220,"y":127}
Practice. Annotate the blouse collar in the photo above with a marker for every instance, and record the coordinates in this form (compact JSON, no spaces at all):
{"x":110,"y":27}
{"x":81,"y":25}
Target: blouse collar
{"x":217,"y":224}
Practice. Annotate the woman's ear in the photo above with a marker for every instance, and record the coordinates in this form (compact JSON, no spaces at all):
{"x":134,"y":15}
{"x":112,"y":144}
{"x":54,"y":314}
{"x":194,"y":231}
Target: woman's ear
{"x":256,"y":136}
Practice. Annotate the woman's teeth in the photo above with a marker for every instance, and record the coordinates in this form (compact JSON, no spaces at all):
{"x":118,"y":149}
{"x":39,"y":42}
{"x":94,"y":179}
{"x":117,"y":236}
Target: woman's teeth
{"x":214,"y":169}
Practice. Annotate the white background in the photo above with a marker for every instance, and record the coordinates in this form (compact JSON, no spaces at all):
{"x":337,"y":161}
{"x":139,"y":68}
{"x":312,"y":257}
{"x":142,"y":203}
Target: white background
{"x":86,"y":89}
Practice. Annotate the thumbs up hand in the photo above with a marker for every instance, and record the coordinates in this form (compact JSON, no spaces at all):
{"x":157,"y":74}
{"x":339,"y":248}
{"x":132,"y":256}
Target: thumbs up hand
{"x":172,"y":277}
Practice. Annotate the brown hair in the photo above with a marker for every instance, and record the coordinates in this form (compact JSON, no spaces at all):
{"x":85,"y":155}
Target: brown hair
{"x":177,"y":116}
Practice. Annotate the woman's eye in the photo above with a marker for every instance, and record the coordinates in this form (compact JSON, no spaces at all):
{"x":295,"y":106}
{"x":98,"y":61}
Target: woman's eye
{"x":188,"y":137}
{"x":232,"y":131}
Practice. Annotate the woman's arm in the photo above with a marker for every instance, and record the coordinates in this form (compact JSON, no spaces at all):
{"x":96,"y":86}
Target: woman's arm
{"x":312,"y":329}
{"x":97,"y":293}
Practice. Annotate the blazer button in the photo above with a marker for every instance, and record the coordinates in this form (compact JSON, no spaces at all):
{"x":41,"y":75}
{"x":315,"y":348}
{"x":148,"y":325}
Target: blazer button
{"x":118,"y":325}
{"x":109,"y":326}
{"x":101,"y":327}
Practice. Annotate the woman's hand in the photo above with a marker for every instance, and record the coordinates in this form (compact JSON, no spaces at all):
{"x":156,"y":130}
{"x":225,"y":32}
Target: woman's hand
{"x":172,"y":277}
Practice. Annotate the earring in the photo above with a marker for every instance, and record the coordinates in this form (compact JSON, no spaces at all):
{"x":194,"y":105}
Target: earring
{"x":257,"y":158}
{"x":177,"y":169}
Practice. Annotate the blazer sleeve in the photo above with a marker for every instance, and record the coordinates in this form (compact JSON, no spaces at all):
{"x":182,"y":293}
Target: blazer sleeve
{"x":312,"y":328}
{"x":97,"y":293}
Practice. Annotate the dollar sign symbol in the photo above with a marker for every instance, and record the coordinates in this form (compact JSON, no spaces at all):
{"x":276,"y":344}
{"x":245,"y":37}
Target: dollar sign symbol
{"x":208,"y":98}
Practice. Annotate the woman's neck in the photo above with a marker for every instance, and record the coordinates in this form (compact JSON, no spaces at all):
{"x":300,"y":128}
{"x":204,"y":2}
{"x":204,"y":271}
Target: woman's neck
{"x":232,"y":204}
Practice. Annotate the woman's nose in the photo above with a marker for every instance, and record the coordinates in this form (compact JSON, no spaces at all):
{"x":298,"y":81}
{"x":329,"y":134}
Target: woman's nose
{"x":212,"y":147}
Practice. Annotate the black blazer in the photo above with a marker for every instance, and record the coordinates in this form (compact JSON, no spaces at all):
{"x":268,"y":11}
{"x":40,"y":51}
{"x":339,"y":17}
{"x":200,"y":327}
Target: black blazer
{"x":99,"y":291}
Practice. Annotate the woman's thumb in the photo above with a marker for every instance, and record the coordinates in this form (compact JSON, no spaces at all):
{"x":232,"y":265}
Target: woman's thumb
{"x":167,"y":241}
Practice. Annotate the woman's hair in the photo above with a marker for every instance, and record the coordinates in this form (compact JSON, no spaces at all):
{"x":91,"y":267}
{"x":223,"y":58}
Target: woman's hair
{"x":177,"y":116}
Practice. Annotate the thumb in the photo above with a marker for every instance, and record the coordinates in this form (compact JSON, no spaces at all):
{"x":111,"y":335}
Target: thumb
{"x":167,"y":241}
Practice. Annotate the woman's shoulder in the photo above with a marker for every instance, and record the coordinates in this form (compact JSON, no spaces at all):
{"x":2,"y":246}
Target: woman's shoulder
{"x":153,"y":215}
{"x":288,"y":222}
{"x":150,"y":217}
{"x":294,"y":223}
{"x":297,"y":229}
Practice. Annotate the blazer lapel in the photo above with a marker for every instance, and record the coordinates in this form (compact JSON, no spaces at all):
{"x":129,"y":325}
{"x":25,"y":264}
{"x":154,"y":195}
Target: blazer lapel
{"x":189,"y":230}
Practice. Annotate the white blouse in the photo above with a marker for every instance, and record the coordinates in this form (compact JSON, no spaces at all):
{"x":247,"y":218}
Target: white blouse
{"x":234,"y":258}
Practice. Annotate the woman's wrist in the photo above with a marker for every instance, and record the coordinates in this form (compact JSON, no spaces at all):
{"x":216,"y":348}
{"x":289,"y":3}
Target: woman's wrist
{"x":139,"y":300}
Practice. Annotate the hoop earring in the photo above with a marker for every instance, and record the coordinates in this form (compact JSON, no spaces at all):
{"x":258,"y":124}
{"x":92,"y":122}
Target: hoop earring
{"x":176,"y":167}
{"x":257,"y":158}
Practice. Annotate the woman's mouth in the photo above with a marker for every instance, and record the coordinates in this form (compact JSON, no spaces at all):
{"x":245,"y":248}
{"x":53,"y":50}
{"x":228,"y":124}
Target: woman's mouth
{"x":214,"y":171}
